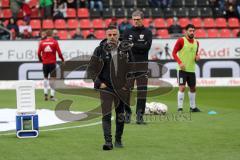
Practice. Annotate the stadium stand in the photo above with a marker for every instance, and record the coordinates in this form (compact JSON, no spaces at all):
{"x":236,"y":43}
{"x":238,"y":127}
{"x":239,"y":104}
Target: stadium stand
{"x":210,"y":21}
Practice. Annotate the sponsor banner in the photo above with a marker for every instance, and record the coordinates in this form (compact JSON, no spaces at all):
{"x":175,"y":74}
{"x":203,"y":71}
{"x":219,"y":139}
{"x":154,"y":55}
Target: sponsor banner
{"x":17,"y":51}
{"x":75,"y":69}
{"x":208,"y":48}
{"x":201,"y":82}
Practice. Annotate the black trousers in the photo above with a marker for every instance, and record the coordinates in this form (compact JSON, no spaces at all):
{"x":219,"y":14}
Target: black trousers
{"x":141,"y":82}
{"x":107,"y":99}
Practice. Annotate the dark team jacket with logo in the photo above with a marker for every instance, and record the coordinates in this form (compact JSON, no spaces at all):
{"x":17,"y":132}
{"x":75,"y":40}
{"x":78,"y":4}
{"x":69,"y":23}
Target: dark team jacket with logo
{"x":47,"y":51}
{"x":99,"y":68}
{"x":142,"y":40}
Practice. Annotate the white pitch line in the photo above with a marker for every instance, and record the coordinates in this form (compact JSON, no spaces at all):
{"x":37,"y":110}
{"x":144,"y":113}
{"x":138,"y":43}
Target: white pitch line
{"x":63,"y":128}
{"x":71,"y":127}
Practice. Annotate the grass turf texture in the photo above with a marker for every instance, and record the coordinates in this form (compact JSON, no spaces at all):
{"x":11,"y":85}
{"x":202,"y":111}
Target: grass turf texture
{"x":205,"y":137}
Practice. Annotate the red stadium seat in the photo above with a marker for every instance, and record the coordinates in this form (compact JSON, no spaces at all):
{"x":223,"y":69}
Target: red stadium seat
{"x":98,"y":23}
{"x":47,"y":24}
{"x":213,"y":33}
{"x":208,"y":23}
{"x":183,"y":22}
{"x":72,"y":32}
{"x":159,"y":23}
{"x":35,"y":23}
{"x":235,"y":32}
{"x":36,"y":33}
{"x":19,"y":22}
{"x":100,"y":34}
{"x":7,"y":13}
{"x":221,"y":23}
{"x":72,"y":23}
{"x":200,"y":33}
{"x":83,"y":13}
{"x":85,"y":33}
{"x":108,"y":21}
{"x":162,"y":33}
{"x":62,"y":34}
{"x":120,"y":20}
{"x":169,"y":21}
{"x":60,"y":24}
{"x":147,"y":21}
{"x":225,"y":33}
{"x":35,"y":13}
{"x":71,"y":13}
{"x":85,"y":24}
{"x":197,"y":22}
{"x":233,"y":23}
{"x":5,"y":4}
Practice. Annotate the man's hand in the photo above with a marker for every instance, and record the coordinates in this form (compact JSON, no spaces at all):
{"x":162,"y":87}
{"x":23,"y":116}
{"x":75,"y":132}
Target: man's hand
{"x":63,"y":63}
{"x":197,"y":57}
{"x":103,"y":85}
{"x":182,"y":66}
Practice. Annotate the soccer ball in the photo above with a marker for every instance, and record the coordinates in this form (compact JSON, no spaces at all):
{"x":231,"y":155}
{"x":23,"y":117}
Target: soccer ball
{"x":156,"y":108}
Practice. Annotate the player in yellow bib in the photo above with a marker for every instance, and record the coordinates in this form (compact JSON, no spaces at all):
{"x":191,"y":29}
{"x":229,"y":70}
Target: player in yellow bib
{"x":185,"y":52}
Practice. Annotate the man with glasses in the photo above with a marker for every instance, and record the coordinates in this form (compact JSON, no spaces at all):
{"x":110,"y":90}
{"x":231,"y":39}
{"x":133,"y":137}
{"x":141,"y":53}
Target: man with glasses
{"x":141,"y":38}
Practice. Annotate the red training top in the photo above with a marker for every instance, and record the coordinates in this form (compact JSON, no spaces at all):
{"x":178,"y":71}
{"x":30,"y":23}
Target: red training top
{"x":47,"y":51}
{"x":178,"y":46}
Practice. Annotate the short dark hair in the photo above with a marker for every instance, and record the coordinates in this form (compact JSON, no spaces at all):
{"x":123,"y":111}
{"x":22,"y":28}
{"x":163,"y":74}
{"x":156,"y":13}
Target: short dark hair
{"x":112,"y":26}
{"x":190,"y":26}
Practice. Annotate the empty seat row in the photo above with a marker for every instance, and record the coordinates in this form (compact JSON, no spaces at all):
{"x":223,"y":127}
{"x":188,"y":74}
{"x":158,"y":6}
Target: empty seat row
{"x":145,"y":3}
{"x":161,"y":33}
{"x":157,"y":23}
{"x":199,"y":23}
{"x":65,"y":34}
{"x":215,"y":33}
{"x":202,"y":33}
{"x":127,"y":12}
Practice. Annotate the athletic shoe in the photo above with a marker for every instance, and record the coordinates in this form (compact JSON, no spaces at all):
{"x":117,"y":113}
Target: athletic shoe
{"x":52,"y":99}
{"x":46,"y":97}
{"x":139,"y":119}
{"x":108,"y":146}
{"x":118,"y":144}
{"x":195,"y":110}
{"x":179,"y":109}
{"x":127,"y":118}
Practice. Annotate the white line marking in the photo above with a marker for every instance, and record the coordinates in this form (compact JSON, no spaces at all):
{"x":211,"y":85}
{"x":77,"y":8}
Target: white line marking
{"x":63,"y":128}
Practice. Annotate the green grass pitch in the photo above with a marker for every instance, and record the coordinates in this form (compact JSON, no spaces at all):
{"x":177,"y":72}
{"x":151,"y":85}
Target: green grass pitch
{"x":202,"y":137}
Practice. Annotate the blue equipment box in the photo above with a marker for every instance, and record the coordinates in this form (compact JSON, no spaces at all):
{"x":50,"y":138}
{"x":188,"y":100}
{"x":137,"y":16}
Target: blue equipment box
{"x":27,"y":126}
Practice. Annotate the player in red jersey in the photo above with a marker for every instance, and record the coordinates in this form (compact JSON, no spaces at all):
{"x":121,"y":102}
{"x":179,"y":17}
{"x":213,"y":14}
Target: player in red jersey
{"x":47,"y":55}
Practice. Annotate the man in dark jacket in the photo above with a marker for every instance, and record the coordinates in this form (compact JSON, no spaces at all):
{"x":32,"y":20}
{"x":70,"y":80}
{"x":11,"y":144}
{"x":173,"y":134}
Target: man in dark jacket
{"x":108,"y":69}
{"x":141,"y":38}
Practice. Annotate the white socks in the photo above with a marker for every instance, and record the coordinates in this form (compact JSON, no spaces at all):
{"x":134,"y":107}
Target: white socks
{"x":180,"y":99}
{"x":52,"y":92}
{"x":45,"y":86}
{"x":192,"y":96}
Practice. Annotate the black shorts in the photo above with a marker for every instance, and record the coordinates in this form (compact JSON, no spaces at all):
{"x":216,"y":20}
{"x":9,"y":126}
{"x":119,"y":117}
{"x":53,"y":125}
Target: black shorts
{"x":188,"y":77}
{"x":49,"y":69}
